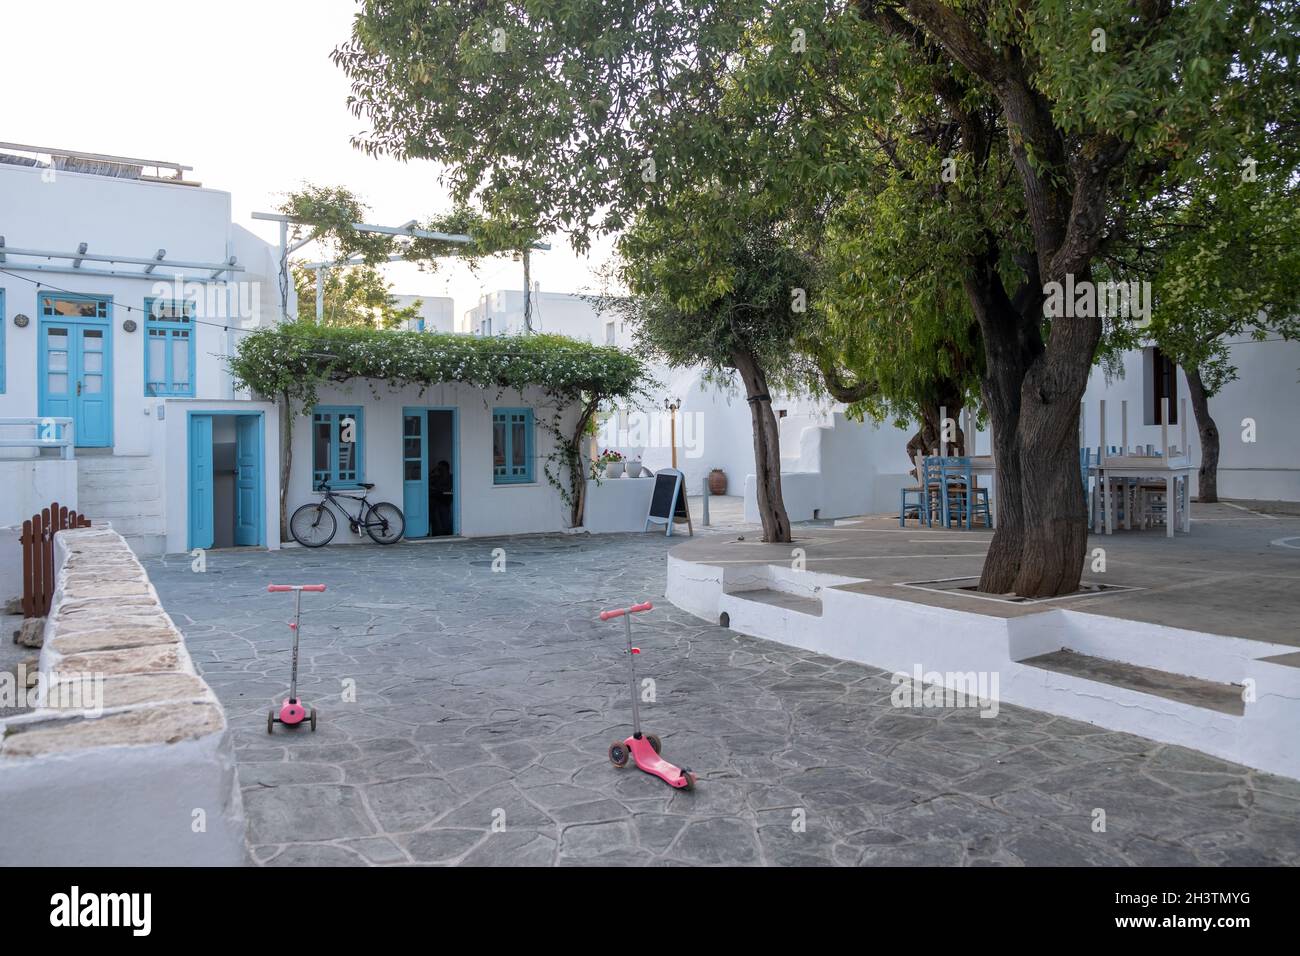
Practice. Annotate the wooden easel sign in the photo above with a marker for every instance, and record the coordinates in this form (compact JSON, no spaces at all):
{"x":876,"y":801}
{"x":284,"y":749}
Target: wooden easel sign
{"x":668,"y":502}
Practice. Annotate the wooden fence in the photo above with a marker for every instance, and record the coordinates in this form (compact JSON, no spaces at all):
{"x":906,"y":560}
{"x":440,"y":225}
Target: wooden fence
{"x":38,"y":555}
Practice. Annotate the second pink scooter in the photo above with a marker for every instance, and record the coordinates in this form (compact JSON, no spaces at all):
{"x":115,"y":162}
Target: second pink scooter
{"x":644,"y":749}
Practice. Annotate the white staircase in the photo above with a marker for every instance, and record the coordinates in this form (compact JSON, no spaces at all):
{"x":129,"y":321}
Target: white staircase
{"x":126,"y":492}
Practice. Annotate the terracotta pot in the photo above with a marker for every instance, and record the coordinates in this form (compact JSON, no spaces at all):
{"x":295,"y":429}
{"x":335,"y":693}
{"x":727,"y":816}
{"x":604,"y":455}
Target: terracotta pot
{"x":717,"y":482}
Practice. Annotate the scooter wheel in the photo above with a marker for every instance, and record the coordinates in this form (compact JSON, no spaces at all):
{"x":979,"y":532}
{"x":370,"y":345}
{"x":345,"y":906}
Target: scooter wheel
{"x":270,"y":722}
{"x":618,"y":754}
{"x":655,"y":743}
{"x":690,"y":780}
{"x":313,"y":720}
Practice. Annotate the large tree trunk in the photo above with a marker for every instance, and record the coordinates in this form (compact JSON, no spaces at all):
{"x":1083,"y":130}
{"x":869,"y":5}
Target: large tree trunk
{"x":1207,"y":478}
{"x":1055,"y":535}
{"x":767,"y":449}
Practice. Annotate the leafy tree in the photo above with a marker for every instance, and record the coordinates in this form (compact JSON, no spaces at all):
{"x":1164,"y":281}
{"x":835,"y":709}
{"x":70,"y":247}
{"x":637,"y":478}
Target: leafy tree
{"x":1033,"y":130}
{"x":355,"y":295}
{"x":720,"y":282}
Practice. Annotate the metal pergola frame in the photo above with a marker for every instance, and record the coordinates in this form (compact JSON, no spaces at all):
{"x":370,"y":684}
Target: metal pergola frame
{"x":82,"y":254}
{"x":408,"y":229}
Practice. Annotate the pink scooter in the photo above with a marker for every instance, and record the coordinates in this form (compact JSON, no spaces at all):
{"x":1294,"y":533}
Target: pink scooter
{"x":292,"y":713}
{"x":644,"y":749}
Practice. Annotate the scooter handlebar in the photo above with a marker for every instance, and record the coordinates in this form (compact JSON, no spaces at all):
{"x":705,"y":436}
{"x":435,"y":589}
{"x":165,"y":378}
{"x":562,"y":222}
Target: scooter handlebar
{"x":620,"y":611}
{"x":295,"y":587}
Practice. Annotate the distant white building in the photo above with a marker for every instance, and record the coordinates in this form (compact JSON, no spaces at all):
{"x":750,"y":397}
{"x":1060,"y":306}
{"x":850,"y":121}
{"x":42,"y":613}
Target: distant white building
{"x":437,"y":312}
{"x":559,"y":313}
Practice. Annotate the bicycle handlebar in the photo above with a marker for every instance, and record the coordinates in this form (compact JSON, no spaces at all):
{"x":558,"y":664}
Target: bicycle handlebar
{"x":620,"y":611}
{"x":295,"y":587}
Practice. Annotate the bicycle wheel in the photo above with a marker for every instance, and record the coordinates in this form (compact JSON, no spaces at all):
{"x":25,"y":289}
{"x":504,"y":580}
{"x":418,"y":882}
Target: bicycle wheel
{"x":385,"y":523}
{"x":313,"y":525}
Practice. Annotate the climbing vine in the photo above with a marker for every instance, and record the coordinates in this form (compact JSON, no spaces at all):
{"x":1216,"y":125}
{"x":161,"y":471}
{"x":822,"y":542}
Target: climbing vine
{"x":291,"y":361}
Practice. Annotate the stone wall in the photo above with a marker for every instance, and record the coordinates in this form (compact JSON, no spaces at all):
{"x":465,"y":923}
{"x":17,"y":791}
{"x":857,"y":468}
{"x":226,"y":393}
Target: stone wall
{"x":127,"y":758}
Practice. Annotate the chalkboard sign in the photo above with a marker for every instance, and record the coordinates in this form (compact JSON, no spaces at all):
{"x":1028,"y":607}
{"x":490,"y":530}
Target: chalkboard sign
{"x":668,"y":501}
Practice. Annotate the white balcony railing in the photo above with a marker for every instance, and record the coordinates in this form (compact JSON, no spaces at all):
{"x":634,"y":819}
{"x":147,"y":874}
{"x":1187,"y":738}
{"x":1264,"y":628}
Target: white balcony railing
{"x":44,"y":433}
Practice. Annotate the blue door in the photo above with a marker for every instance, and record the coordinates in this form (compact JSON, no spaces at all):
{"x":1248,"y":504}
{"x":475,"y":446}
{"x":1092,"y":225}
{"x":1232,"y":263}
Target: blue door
{"x":415,"y":472}
{"x":75,"y":368}
{"x":200,"y":473}
{"x":248,"y":480}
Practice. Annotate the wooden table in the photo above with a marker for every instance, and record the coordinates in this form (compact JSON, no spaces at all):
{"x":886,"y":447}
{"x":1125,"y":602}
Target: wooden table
{"x":1175,"y":473}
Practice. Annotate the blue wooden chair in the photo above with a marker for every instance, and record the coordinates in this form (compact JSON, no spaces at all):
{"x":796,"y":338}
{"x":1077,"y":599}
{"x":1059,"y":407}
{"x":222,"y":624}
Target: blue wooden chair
{"x":962,"y":501}
{"x":920,"y":500}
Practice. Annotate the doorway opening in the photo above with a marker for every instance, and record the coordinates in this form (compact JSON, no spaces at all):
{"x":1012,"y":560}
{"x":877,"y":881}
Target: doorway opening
{"x":431,"y":472}
{"x":225,"y":487}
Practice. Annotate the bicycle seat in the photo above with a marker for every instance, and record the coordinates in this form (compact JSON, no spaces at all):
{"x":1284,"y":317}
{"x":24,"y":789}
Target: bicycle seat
{"x":365,"y":485}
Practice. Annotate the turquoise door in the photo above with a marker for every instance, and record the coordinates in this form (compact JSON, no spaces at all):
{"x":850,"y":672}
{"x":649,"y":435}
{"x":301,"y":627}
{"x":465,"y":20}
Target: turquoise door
{"x":200,"y":473}
{"x":415,"y":472}
{"x":248,"y":480}
{"x":76,"y":379}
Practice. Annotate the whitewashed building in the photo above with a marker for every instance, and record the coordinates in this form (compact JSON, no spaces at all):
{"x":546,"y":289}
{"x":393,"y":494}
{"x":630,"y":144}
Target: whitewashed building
{"x":124,"y":287}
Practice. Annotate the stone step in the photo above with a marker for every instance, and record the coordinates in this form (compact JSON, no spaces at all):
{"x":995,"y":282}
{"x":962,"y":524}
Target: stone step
{"x":1223,"y":698}
{"x":130,"y":525}
{"x":93,"y":493}
{"x":108,"y":464}
{"x":783,"y":599}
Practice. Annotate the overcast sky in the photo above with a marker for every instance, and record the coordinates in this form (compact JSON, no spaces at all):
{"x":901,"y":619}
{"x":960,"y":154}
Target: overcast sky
{"x":243,"y":91}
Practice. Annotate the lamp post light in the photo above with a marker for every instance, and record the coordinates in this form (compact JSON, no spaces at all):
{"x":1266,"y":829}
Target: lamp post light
{"x":671,"y":405}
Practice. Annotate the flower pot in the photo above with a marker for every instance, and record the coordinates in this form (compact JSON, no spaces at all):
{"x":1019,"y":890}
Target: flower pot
{"x":634,"y":468}
{"x":614,"y":469}
{"x":717,"y":482}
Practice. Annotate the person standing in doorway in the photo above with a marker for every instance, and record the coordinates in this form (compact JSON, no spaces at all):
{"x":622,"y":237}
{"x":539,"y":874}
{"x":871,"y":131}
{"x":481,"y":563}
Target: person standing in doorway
{"x":440,"y":490}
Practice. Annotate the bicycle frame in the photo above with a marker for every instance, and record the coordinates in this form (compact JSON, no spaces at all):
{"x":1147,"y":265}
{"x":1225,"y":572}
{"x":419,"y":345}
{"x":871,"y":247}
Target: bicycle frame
{"x":364,"y":510}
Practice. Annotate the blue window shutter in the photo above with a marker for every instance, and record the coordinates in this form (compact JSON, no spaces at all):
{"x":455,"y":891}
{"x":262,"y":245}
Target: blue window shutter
{"x":343,"y":466}
{"x":167,"y":324}
{"x":515,"y":429}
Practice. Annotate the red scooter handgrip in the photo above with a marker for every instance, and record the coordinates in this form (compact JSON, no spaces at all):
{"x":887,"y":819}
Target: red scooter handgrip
{"x":313,"y":587}
{"x":619,"y":612}
{"x":279,"y":587}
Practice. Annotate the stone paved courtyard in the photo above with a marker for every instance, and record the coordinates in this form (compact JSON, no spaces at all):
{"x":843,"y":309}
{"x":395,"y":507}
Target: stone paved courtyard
{"x":483,"y":696}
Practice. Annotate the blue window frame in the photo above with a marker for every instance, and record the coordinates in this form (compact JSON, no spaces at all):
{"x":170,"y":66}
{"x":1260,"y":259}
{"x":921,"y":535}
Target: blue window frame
{"x":169,"y":347}
{"x":3,"y":323}
{"x":337,"y":446}
{"x":512,"y":446}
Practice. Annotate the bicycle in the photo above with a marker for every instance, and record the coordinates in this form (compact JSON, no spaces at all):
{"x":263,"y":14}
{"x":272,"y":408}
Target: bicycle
{"x":383,"y":521}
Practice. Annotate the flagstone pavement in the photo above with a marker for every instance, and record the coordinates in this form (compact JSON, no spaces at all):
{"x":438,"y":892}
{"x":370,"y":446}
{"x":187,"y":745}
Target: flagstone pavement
{"x":465,"y":713}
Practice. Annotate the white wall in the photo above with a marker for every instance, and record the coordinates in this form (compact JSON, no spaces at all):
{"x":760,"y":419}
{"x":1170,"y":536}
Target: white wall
{"x":1266,"y":390}
{"x":132,"y":218}
{"x":485,"y":508}
{"x":438,"y":311}
{"x":171,"y":436}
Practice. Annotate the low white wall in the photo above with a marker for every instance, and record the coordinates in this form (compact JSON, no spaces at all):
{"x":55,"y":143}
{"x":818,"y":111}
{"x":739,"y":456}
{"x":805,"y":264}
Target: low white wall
{"x":899,"y":635}
{"x":139,"y":770}
{"x":30,"y":484}
{"x":617,"y":504}
{"x":832,"y":467}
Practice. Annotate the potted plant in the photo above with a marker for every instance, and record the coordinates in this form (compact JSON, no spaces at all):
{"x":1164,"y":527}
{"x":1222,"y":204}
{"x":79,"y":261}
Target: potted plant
{"x":632,"y":468}
{"x":612,"y":462}
{"x":717,"y":482}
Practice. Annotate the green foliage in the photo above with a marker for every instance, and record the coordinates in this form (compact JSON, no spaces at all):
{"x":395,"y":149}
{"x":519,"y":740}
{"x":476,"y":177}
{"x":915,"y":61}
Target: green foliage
{"x":327,"y":214}
{"x":356,"y":295}
{"x":713,"y":278}
{"x":292,"y":360}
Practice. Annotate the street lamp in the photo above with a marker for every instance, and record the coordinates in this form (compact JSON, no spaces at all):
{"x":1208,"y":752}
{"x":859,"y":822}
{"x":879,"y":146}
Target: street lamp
{"x":671,"y":405}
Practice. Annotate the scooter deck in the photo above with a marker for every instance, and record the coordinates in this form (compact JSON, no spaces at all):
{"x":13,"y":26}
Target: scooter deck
{"x":650,"y":762}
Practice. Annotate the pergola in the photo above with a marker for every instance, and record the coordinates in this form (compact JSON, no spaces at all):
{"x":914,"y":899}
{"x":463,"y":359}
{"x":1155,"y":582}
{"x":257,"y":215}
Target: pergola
{"x":176,"y":267}
{"x":406,"y":229}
